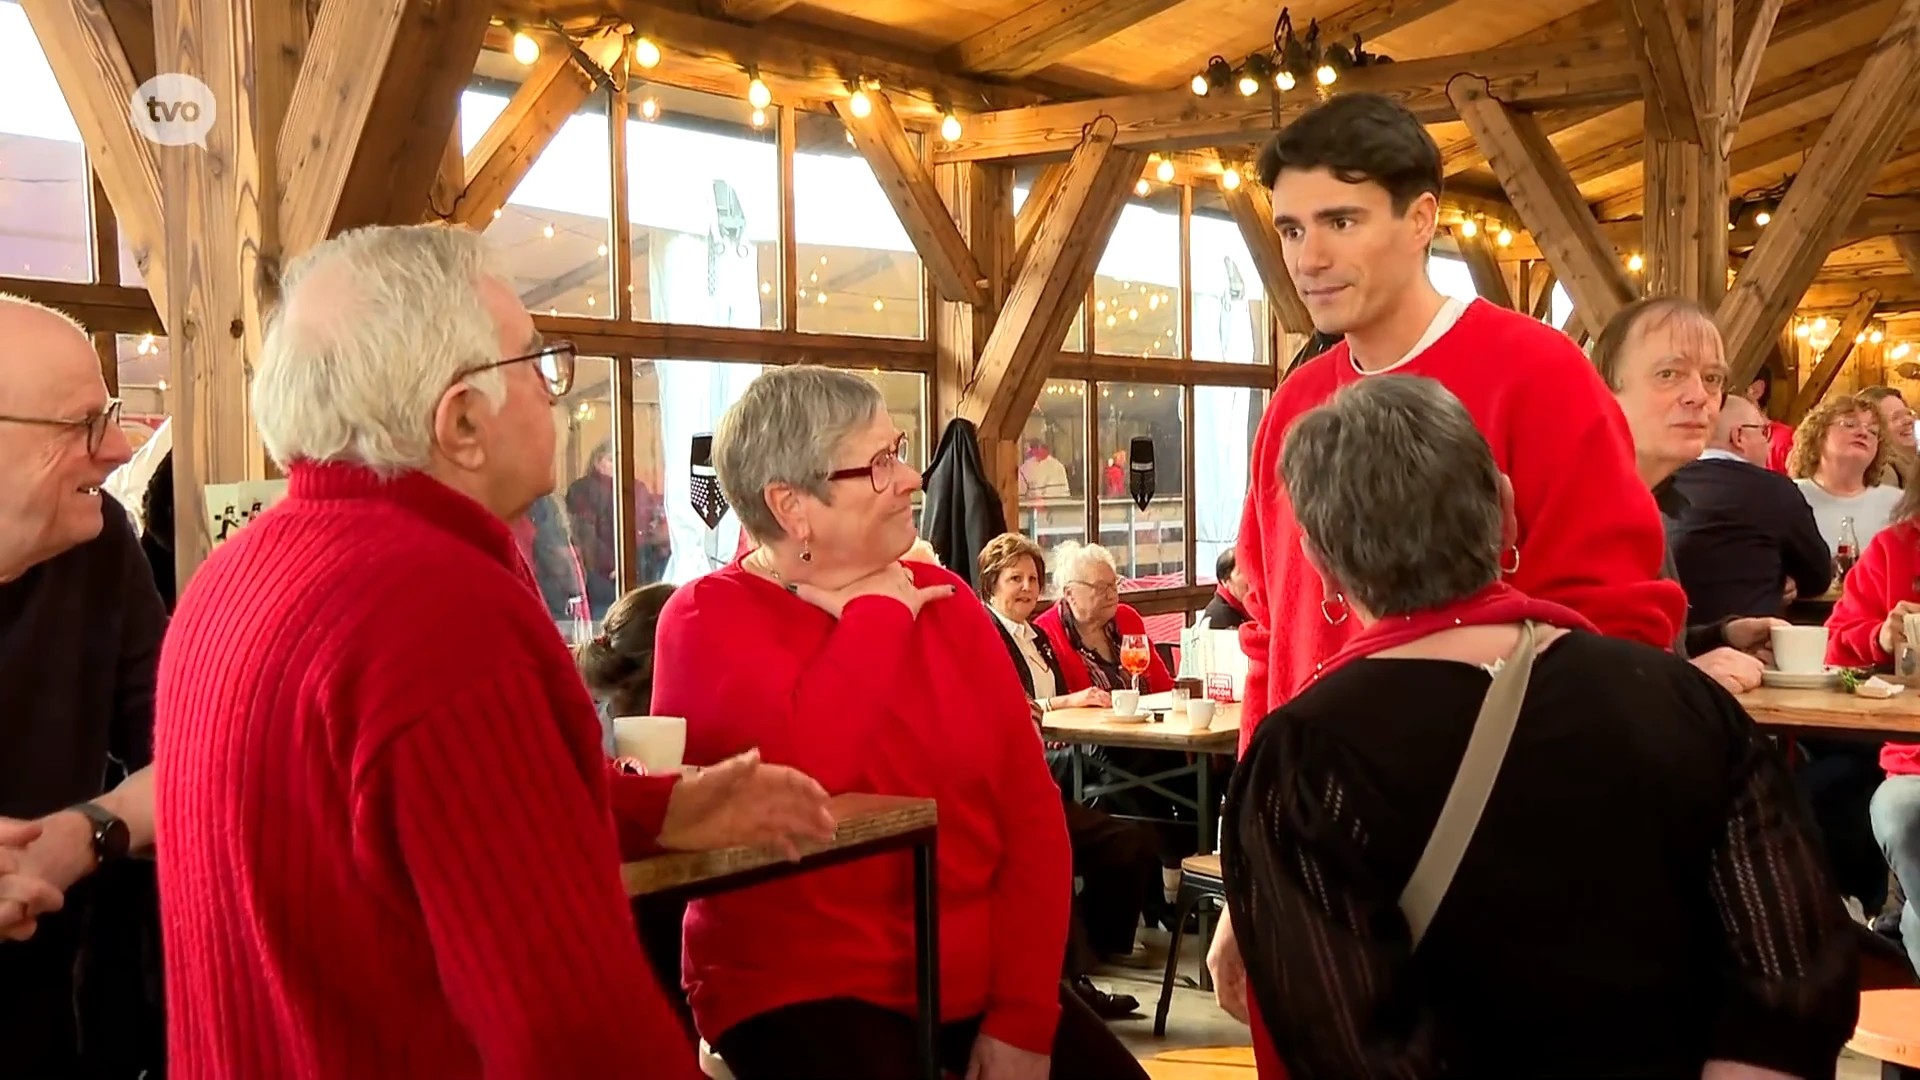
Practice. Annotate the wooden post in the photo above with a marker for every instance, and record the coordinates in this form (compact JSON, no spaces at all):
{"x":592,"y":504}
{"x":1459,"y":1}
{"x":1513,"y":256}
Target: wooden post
{"x":883,"y":141}
{"x":980,"y":197}
{"x":1835,"y":358}
{"x":1477,"y":252}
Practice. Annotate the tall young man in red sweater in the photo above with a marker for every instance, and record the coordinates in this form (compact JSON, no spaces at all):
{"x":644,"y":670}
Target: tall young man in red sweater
{"x":391,"y":840}
{"x":1356,"y":187}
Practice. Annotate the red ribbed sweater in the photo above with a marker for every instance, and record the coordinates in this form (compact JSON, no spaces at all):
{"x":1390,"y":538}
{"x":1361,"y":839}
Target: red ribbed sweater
{"x":387,"y":822}
{"x":1887,"y":574}
{"x":876,"y":701}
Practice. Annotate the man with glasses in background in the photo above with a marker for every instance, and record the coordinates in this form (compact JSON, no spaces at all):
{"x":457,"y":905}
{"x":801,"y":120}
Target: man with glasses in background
{"x":391,"y":835}
{"x":80,"y":631}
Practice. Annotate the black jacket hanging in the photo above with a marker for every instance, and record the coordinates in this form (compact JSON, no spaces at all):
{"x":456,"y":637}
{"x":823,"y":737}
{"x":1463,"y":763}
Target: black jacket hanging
{"x":962,"y":511}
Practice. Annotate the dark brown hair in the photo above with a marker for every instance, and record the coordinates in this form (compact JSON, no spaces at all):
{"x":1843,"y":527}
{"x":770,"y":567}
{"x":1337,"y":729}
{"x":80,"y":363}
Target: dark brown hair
{"x":618,"y":665}
{"x":1359,"y":138}
{"x":1001,"y":553}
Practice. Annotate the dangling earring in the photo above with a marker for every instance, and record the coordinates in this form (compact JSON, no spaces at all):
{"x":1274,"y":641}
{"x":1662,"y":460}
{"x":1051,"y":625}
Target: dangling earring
{"x":1515,"y":567}
{"x":1331,"y":604}
{"x":806,"y":551}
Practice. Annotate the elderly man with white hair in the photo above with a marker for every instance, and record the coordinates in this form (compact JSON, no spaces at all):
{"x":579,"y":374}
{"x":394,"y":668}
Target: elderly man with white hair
{"x":391,"y":835}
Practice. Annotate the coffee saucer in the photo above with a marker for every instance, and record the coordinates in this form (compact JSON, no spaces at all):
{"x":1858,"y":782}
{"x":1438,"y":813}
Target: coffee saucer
{"x":1140,"y":717}
{"x":1802,"y":680}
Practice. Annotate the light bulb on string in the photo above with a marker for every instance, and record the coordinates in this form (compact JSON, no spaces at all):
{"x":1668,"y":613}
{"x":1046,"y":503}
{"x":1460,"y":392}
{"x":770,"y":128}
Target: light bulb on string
{"x":1230,"y":179}
{"x":645,"y":52}
{"x":1326,"y":74}
{"x":1504,"y":237}
{"x":1762,"y":218}
{"x":1802,"y":331}
{"x":861,"y":105}
{"x":650,"y":109}
{"x":1165,"y":172}
{"x":759,"y":118}
{"x":1284,"y":80}
{"x":758,"y":95}
{"x":1876,"y":337}
{"x":1141,"y":187}
{"x":1901,"y":350}
{"x":950,"y":128}
{"x":1249,"y":86}
{"x":1199,"y":85}
{"x":1635,"y":263}
{"x":525,"y":49}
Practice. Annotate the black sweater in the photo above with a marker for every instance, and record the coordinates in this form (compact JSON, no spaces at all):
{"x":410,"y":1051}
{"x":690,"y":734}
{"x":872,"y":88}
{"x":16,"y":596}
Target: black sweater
{"x":1744,"y":532}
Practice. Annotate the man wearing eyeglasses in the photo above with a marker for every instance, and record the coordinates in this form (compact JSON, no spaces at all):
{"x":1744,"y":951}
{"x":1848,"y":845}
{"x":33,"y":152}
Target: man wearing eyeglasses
{"x":80,"y":631}
{"x":391,"y":835}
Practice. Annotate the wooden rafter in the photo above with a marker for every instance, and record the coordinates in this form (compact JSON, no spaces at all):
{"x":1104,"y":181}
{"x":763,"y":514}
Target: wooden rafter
{"x":1666,"y":69}
{"x":379,"y":92}
{"x":1831,"y":361}
{"x":1814,"y":215}
{"x":1751,"y":30}
{"x":1477,"y":252}
{"x":909,"y":188}
{"x":1561,"y":75}
{"x":1543,"y":300}
{"x":1252,"y":208}
{"x":1369,"y":19}
{"x":750,"y":11}
{"x":1908,"y":245}
{"x":98,"y":79}
{"x":1052,"y":282}
{"x":981,"y":196}
{"x":554,"y":90}
{"x":1039,"y":198}
{"x":1046,"y":32}
{"x":1548,"y":202}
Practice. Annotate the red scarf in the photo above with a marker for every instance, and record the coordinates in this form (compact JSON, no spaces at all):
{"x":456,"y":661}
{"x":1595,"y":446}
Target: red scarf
{"x":1496,"y":605}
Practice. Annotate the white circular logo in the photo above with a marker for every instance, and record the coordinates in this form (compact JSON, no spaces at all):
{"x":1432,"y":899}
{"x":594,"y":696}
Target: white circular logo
{"x":173,"y":110}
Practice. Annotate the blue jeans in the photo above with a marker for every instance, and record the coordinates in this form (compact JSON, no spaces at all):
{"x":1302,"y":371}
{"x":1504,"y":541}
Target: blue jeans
{"x":1896,"y":825}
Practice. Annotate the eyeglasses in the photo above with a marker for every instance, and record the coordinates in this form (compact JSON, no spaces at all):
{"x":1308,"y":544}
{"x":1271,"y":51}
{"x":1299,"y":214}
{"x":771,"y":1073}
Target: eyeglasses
{"x":880,"y":471}
{"x":555,"y":362}
{"x":96,"y":423}
{"x":1750,"y":427}
{"x":1098,"y":590}
{"x":1854,"y":423}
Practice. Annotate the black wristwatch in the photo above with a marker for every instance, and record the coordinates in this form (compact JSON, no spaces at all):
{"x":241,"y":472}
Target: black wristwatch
{"x":110,"y":837}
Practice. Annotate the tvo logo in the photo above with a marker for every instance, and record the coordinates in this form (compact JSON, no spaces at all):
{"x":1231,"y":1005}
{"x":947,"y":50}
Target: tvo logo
{"x":173,"y":110}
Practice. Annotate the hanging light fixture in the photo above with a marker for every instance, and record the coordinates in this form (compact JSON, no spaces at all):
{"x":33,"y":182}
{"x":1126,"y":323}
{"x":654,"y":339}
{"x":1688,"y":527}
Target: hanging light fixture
{"x":1164,"y":173}
{"x":758,"y":95}
{"x":1635,"y":263}
{"x":645,"y":52}
{"x":860,"y":104}
{"x":950,"y":126}
{"x":1218,"y":76}
{"x":1469,"y":227}
{"x":525,"y":49}
{"x":1230,"y":179}
{"x":1504,"y":237}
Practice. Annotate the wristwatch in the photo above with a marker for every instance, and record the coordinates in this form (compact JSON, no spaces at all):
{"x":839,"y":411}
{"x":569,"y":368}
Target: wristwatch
{"x":110,"y":837}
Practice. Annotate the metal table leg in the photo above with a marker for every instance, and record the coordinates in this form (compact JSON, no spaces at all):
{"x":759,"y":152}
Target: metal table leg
{"x":926,"y":945}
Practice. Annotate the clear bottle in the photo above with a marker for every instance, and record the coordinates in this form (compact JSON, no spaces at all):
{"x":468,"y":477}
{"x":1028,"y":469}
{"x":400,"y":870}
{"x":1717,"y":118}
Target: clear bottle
{"x":1847,"y":551}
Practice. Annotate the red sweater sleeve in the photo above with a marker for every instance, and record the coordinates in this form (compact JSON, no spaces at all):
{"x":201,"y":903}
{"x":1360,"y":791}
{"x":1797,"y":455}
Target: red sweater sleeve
{"x":515,"y":871}
{"x":639,"y":809}
{"x":1590,"y":534}
{"x":1256,"y":634}
{"x":1033,"y":889}
{"x":1868,"y":594}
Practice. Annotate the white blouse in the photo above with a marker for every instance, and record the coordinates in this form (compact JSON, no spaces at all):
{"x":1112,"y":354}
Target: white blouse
{"x":1025,"y":636}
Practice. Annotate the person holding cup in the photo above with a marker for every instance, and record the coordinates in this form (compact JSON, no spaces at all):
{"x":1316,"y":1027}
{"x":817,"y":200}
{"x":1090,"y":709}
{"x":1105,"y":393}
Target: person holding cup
{"x":827,"y":652}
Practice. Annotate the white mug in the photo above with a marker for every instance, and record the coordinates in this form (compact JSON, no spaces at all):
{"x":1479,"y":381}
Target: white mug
{"x":1126,"y":702}
{"x":1199,"y":714}
{"x":1800,"y":650}
{"x":658,"y":743}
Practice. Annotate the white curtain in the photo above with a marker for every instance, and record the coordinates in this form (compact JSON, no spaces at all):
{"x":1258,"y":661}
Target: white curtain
{"x":712,"y":281}
{"x":1222,"y":330}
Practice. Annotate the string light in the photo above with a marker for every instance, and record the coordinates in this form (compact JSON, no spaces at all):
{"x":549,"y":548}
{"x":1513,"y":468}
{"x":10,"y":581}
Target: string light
{"x":879,"y":305}
{"x":160,"y":385}
{"x":950,"y":127}
{"x":548,"y":231}
{"x":603,"y":251}
{"x":820,"y":297}
{"x":1165,"y":172}
{"x":645,"y":52}
{"x":1200,"y":85}
{"x":1326,"y":75}
{"x":1249,"y":85}
{"x":650,"y":109}
{"x":1635,"y":263}
{"x":1762,"y":218}
{"x":1803,"y":330}
{"x":1469,"y":228}
{"x":766,"y":287}
{"x":759,"y":118}
{"x":1283,"y":80}
{"x":1141,"y":187}
{"x":525,"y":49}
{"x":1230,"y":179}
{"x":1860,"y":338}
{"x":1901,"y":350}
{"x":1504,"y":237}
{"x":860,"y":104}
{"x":758,"y":95}
{"x":1876,"y":337}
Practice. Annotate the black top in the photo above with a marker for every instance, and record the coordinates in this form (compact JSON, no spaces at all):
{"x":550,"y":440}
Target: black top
{"x":1644,"y":892}
{"x":1020,"y":659}
{"x":1744,"y":532}
{"x":79,"y":644}
{"x":1221,"y":615}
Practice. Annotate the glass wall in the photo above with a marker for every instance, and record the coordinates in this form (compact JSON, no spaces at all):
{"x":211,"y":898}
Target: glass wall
{"x":1053,"y":466}
{"x":1149,"y":544}
{"x":44,"y":182}
{"x":1136,"y":287}
{"x":146,"y":399}
{"x":568,"y":537}
{"x":1231,"y":316}
{"x":1230,"y":415}
{"x":859,"y":273}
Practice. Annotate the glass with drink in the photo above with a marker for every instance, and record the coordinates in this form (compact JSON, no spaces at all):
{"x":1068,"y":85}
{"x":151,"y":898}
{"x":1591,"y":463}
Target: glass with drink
{"x":1846,"y":551}
{"x":1134,"y":656}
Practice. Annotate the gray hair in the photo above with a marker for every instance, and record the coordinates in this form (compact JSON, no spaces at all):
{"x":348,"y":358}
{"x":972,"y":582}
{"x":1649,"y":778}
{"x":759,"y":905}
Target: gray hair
{"x":1071,"y":558}
{"x":1397,"y":493}
{"x":783,"y":430}
{"x":374,"y":326}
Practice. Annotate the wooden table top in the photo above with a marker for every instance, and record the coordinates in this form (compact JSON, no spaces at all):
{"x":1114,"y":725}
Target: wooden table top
{"x":1835,"y":710}
{"x":862,"y":820}
{"x":1889,"y":1026}
{"x":1093,"y":726}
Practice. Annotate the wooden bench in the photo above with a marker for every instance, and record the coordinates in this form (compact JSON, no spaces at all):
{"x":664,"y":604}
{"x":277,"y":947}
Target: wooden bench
{"x":1889,"y":1032}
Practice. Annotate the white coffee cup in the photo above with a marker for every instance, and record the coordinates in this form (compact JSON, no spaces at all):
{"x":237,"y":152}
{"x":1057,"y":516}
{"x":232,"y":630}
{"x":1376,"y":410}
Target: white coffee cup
{"x":1126,"y":702}
{"x":1199,"y":714}
{"x":658,"y":743}
{"x":1800,"y":650}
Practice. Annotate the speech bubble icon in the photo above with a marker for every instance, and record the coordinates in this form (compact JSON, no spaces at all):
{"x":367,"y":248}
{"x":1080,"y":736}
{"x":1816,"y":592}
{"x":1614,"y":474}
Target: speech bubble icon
{"x":173,"y":110}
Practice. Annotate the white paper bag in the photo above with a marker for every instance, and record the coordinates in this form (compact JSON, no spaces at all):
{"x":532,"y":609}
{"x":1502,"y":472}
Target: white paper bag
{"x":1225,"y":658}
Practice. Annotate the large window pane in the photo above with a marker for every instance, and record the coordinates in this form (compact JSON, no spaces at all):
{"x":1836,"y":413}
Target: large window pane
{"x":1224,"y":421}
{"x":858,"y":271}
{"x":146,"y":399}
{"x":906,"y":395}
{"x":1136,"y":288}
{"x":1450,"y":275}
{"x":44,"y":182}
{"x":675,"y":400}
{"x":1231,"y":316}
{"x":704,"y":185}
{"x":553,"y":235}
{"x":1149,"y":544}
{"x":568,"y":536}
{"x":1053,"y":466}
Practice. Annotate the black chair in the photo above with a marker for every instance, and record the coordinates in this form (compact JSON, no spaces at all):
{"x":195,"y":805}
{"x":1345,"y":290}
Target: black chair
{"x":1200,"y":883}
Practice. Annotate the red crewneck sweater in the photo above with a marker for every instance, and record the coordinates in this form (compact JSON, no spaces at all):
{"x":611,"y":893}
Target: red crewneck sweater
{"x":1888,"y":572}
{"x":1590,"y":534}
{"x":387,"y":822}
{"x":875,"y":701}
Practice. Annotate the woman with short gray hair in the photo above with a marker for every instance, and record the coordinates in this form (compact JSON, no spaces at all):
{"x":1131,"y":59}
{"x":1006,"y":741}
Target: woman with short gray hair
{"x":1694,"y":929}
{"x":824,"y":650}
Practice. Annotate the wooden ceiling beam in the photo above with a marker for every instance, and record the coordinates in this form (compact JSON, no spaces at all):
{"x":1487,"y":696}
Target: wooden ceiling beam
{"x":1753,"y":25}
{"x":1908,"y":245}
{"x":1370,"y":19}
{"x":1033,"y":210}
{"x":1561,"y":75}
{"x":909,"y":188}
{"x":1051,"y":284}
{"x":1820,"y":380}
{"x":97,"y":78}
{"x":1813,"y":217}
{"x":379,"y":92}
{"x":1048,"y":32}
{"x":554,"y":90}
{"x":1252,"y":208}
{"x":750,"y":11}
{"x":1667,"y":76}
{"x":1543,"y":301}
{"x":1477,"y":252}
{"x":1549,"y":204}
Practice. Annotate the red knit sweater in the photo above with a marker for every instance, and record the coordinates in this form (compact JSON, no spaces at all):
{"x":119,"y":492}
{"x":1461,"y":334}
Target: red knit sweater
{"x":1888,"y":572}
{"x":387,"y":821}
{"x":1073,"y":669}
{"x":875,"y":701}
{"x":1590,"y":535}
